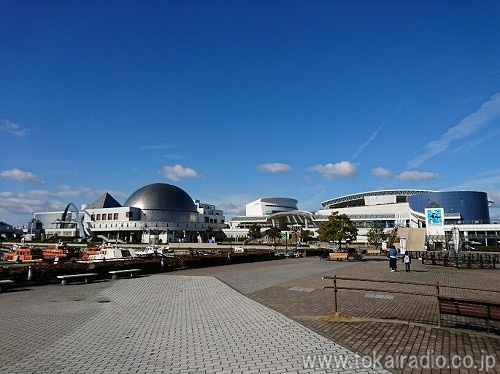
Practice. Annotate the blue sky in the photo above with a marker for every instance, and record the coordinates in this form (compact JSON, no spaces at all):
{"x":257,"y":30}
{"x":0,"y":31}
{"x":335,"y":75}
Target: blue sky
{"x":237,"y":100}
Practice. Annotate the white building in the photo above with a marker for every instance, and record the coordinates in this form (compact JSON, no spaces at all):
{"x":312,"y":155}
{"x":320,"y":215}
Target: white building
{"x":404,"y":209}
{"x":156,"y":213}
{"x":279,"y":212}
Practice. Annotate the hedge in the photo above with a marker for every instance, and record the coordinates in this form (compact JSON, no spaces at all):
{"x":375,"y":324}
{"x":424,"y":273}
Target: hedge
{"x":43,"y":273}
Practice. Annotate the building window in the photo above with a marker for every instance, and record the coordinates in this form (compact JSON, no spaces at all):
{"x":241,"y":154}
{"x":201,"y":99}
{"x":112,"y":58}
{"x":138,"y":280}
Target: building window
{"x":98,"y":218}
{"x":110,"y":216}
{"x":129,"y":215}
{"x":92,"y":217}
{"x":115,"y":216}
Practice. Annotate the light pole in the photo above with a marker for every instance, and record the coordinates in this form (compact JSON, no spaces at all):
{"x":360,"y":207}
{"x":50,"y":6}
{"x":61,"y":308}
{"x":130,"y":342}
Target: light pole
{"x":455,"y":235}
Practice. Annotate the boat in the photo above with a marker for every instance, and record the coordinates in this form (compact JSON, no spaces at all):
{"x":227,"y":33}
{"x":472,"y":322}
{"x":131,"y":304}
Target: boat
{"x":105,"y":253}
{"x":152,"y":251}
{"x":58,"y":252}
{"x":23,"y":253}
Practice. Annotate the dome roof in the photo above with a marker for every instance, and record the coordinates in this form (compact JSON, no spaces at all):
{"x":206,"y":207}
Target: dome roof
{"x":161,"y":196}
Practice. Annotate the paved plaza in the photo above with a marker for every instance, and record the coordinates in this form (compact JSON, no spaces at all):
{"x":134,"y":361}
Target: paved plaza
{"x":266,"y":317}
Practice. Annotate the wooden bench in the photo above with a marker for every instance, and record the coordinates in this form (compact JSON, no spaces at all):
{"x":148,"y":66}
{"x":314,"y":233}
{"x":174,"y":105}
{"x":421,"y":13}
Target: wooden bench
{"x":337,"y":256}
{"x":115,"y":273}
{"x":4,"y":284}
{"x":373,"y":252}
{"x":87,"y":277}
{"x":487,"y":310}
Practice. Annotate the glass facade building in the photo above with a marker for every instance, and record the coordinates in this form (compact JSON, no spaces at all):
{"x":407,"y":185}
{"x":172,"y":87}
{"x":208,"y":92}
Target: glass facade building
{"x":460,"y":207}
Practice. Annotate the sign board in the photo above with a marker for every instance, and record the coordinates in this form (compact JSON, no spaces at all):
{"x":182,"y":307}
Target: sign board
{"x":434,"y":216}
{"x":434,"y":219}
{"x":402,"y":245}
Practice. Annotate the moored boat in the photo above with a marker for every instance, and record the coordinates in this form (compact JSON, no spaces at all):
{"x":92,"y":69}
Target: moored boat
{"x":105,"y":254}
{"x":23,"y":253}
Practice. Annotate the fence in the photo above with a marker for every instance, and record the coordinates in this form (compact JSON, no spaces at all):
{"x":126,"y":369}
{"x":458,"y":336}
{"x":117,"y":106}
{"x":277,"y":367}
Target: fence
{"x":437,"y":295}
{"x":468,"y":260}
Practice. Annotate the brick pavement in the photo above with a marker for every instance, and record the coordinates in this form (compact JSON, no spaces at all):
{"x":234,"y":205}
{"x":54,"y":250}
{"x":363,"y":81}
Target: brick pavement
{"x":188,"y":321}
{"x":163,"y":323}
{"x":392,"y":327}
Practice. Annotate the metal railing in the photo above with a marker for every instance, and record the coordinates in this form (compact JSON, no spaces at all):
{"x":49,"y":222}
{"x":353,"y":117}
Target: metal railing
{"x":469,"y":260}
{"x":437,"y":286}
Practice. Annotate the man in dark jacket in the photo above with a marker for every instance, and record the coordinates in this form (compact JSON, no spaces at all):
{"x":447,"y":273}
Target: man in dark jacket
{"x":392,"y":258}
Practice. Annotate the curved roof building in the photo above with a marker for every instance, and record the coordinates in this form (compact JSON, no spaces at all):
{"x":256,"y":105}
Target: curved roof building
{"x":372,"y":198}
{"x":464,"y":207}
{"x":270,"y":205}
{"x":163,"y":202}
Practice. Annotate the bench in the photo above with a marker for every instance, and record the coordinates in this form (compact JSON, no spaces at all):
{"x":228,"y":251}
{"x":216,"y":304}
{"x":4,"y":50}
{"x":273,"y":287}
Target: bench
{"x":337,"y":256}
{"x":115,"y":273}
{"x":487,"y":310}
{"x":373,"y":252}
{"x":4,"y":284}
{"x":87,"y":277}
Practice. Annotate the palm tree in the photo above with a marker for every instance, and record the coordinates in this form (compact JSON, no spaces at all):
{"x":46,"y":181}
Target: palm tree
{"x":273,"y":233}
{"x":254,"y":231}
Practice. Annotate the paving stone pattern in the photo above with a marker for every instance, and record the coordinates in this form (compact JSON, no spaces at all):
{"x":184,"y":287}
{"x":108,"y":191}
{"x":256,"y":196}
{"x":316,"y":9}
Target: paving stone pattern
{"x":156,"y":324}
{"x":191,"y":322}
{"x":394,"y":326}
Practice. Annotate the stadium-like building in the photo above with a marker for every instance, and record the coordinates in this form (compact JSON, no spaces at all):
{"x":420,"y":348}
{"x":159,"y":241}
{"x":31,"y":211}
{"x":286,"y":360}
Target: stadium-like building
{"x":411,"y":212}
{"x":414,"y":212}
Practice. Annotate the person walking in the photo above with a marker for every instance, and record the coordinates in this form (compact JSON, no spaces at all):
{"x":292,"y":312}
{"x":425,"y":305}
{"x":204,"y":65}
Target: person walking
{"x":392,"y":258}
{"x":407,"y":261}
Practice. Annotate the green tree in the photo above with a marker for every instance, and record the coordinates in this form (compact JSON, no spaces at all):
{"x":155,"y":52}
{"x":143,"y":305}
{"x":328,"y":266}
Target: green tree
{"x":392,"y":237}
{"x":179,"y":235}
{"x":338,"y":228}
{"x":376,"y":235}
{"x":306,"y":235}
{"x":273,"y":233}
{"x":254,"y":231}
{"x":208,"y":234}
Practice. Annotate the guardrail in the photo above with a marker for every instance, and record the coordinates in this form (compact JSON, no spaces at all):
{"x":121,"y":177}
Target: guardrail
{"x":436,"y":286}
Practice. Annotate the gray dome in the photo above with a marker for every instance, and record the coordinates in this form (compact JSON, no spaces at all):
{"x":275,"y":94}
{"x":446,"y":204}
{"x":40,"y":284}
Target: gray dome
{"x":164,"y":202}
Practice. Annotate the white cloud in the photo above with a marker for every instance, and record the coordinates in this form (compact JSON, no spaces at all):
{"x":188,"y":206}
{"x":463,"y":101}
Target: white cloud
{"x":343,"y":169}
{"x":465,"y":128}
{"x":231,"y":209}
{"x":18,"y":208}
{"x":178,"y":172}
{"x":29,"y":202}
{"x":416,"y":176}
{"x":367,"y":143}
{"x":157,"y":147}
{"x":12,"y":128}
{"x":473,"y":143}
{"x":381,"y":172}
{"x":495,"y":197}
{"x":20,"y":176}
{"x":68,"y":191}
{"x":275,"y":168}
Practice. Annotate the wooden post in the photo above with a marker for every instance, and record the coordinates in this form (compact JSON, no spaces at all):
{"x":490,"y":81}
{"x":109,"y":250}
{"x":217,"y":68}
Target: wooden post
{"x":335,"y":292}
{"x":488,"y":316}
{"x":438,"y":305}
